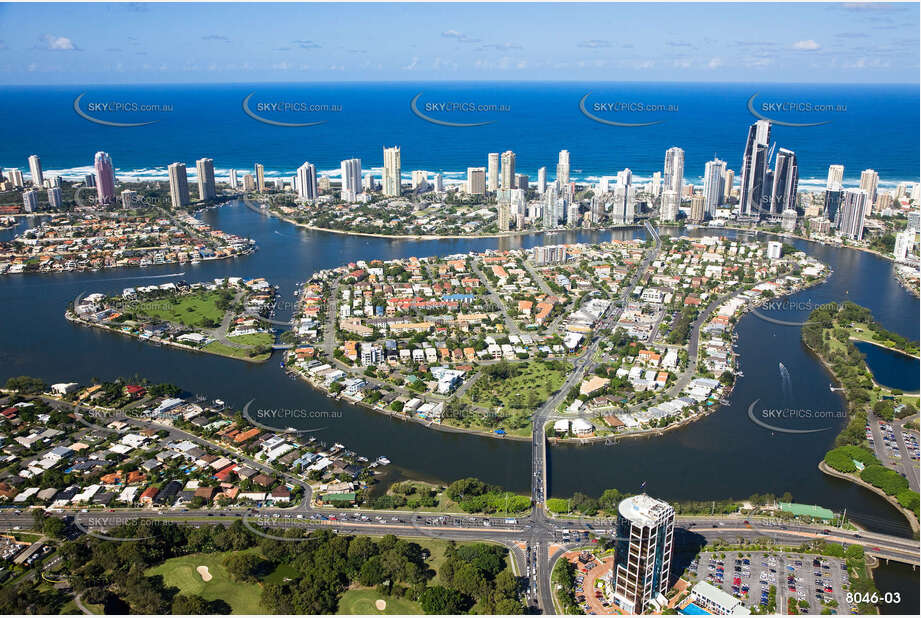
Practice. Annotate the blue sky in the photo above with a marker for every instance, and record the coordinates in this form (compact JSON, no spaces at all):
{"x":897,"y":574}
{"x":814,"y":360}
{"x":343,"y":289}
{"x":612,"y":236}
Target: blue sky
{"x":79,"y":43}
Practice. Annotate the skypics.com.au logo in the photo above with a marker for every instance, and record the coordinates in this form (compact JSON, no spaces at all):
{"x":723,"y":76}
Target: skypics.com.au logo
{"x":625,"y":113}
{"x":441,"y":111}
{"x":284,"y":112}
{"x":122,"y":112}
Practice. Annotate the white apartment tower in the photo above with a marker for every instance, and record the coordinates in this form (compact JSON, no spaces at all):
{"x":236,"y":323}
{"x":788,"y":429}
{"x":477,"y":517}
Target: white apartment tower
{"x":392,"y":173}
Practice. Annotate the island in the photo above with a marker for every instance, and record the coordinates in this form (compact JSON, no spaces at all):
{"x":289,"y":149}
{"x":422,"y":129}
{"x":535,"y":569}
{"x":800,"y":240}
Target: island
{"x":478,"y":342}
{"x":227,"y":316}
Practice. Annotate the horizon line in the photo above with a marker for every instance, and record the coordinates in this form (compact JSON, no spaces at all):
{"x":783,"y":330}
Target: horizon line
{"x":458,"y":81}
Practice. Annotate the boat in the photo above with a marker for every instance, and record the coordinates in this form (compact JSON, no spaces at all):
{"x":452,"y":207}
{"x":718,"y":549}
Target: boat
{"x":382,"y":460}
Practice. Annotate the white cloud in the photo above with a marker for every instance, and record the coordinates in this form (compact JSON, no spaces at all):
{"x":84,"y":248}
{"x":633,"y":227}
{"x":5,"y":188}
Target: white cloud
{"x":807,"y":45}
{"x":58,"y":43}
{"x":412,"y":65}
{"x":459,"y":36}
{"x":714,"y":63}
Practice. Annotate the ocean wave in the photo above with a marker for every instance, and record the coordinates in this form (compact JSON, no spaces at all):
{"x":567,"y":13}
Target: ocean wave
{"x":160,"y":173}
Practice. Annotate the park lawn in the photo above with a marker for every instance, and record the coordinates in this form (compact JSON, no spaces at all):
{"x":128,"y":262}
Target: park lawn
{"x":253,"y":339}
{"x":532,"y":385}
{"x":216,"y":347}
{"x":188,"y":309}
{"x":243,"y":598}
{"x":361,"y":601}
{"x":280,"y":574}
{"x":862,"y":332}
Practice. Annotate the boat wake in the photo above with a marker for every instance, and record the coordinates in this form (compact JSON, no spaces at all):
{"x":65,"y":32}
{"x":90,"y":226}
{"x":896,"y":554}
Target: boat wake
{"x":786,"y":383}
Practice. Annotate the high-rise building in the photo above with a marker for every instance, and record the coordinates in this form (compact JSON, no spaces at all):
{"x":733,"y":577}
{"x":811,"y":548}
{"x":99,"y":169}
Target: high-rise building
{"x":625,"y":177}
{"x":542,"y":180}
{"x":754,"y":169}
{"x":492,"y":172}
{"x":883,"y":201}
{"x":392,"y":173}
{"x":35,"y":169}
{"x":260,"y":178}
{"x":670,"y":203}
{"x":623,"y":206}
{"x":178,"y":185}
{"x":306,"y":181}
{"x":30,"y":200}
{"x":853,"y":212}
{"x":522,"y":181}
{"x":643,"y":553}
{"x":439,"y":181}
{"x":904,"y":241}
{"x":476,"y":180}
{"x":673,"y":171}
{"x":204,"y":168}
{"x":835,"y":178}
{"x":54,"y":198}
{"x":105,"y":178}
{"x":833,"y":203}
{"x":698,"y":208}
{"x":788,"y":220}
{"x":785,"y":182}
{"x":419,"y":180}
{"x":714,"y":192}
{"x":869,"y":180}
{"x":16,"y":178}
{"x":129,"y":199}
{"x":504,"y":218}
{"x":249,"y":183}
{"x":727,"y":185}
{"x":232,"y":179}
{"x":562,"y":167}
{"x":57,"y":181}
{"x":368,"y":183}
{"x":350,"y":172}
{"x":508,"y":170}
{"x":656,"y":184}
{"x":89,"y":180}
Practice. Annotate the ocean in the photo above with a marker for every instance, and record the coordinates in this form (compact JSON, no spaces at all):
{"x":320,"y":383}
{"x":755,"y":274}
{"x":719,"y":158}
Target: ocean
{"x":866,"y":126}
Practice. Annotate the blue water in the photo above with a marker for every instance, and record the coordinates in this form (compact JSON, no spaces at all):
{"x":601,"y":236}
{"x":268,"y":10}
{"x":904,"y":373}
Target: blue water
{"x":712,"y":119}
{"x":889,"y":368}
{"x":694,"y":610}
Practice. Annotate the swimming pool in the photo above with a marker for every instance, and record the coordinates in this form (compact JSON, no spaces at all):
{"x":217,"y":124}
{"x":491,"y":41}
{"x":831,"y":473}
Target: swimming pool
{"x":694,"y":610}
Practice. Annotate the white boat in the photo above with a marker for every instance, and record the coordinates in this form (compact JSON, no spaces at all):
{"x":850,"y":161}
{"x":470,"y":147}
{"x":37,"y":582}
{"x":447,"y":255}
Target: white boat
{"x":383,"y":460}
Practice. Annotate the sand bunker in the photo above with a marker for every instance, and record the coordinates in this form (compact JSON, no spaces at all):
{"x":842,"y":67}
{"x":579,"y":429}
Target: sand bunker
{"x":380,"y":604}
{"x":205,"y":573}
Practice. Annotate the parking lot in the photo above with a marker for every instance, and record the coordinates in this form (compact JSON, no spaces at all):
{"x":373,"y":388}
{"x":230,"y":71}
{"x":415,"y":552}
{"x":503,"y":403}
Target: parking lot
{"x":820,"y":581}
{"x":895,"y":447}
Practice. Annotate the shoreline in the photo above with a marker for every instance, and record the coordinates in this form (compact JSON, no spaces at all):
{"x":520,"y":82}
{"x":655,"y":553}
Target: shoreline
{"x":159,"y":342}
{"x":912,"y":520}
{"x":510,"y":234}
{"x":129,"y":266}
{"x":400,"y":416}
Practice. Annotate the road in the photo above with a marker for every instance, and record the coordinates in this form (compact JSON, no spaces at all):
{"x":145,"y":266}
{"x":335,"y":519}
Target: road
{"x":541,"y":526}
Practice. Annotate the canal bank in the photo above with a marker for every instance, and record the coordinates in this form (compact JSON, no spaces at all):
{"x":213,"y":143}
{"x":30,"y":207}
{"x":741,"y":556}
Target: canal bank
{"x":735,"y":457}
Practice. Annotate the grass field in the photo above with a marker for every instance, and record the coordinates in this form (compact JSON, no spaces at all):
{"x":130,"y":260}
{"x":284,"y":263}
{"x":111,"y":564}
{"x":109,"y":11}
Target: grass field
{"x":253,"y":340}
{"x":361,"y":601}
{"x":188,"y":310}
{"x":280,"y":574}
{"x":180,"y":572}
{"x":216,"y":347}
{"x":530,"y":385}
